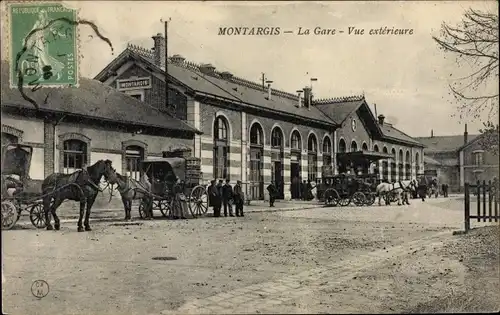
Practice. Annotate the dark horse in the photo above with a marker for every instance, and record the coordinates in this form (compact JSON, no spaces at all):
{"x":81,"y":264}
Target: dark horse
{"x":82,"y":186}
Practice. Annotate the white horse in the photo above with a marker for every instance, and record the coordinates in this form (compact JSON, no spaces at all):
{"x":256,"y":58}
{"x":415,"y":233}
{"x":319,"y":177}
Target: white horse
{"x":399,"y":188}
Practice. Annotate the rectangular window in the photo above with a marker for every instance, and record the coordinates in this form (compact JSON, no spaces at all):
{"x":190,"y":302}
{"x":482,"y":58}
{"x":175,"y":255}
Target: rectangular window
{"x":73,"y":161}
{"x":478,"y":158}
{"x":221,"y":162}
{"x":312,"y":167}
{"x":132,"y":162}
{"x":327,"y":160}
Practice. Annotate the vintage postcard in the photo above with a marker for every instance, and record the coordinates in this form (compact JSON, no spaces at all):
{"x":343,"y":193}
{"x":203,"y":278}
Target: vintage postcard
{"x":249,"y":157}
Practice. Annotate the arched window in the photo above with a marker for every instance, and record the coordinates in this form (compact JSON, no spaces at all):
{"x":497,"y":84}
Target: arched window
{"x":134,"y":154}
{"x":256,"y":135}
{"x":74,"y":155}
{"x":354,"y":146}
{"x":375,"y":148}
{"x":400,"y":164}
{"x":220,"y":129}
{"x":365,"y":146}
{"x":408,"y":165}
{"x":221,"y":148}
{"x":417,"y":163}
{"x":8,"y":138}
{"x":342,"y":146}
{"x":296,"y":143}
{"x":393,"y":165}
{"x":385,"y":167}
{"x":277,"y":138}
{"x":312,"y":144}
{"x":327,"y":151}
{"x":312,"y":154}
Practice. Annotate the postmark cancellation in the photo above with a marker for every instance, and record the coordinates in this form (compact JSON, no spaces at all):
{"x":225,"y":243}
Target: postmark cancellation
{"x":43,"y":44}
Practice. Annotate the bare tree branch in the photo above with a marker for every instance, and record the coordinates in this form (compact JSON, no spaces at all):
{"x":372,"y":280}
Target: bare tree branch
{"x":474,"y":43}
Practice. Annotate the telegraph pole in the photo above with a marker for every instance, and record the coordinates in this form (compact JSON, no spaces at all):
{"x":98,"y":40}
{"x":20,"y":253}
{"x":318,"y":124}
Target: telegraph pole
{"x":167,"y":105}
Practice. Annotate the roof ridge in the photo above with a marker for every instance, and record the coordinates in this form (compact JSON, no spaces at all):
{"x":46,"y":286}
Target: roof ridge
{"x":148,"y":53}
{"x":340,"y":99}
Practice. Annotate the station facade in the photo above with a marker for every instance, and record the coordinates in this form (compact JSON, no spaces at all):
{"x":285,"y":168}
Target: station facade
{"x":257,"y":134}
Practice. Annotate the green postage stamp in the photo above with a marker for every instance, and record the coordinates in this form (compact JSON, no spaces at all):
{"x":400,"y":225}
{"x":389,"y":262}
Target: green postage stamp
{"x":43,"y":44}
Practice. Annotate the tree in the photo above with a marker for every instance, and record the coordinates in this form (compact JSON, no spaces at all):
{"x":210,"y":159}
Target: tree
{"x":489,"y":137}
{"x":474,"y":43}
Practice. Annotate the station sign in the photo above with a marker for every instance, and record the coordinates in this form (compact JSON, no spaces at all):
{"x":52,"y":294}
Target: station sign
{"x":133,"y":84}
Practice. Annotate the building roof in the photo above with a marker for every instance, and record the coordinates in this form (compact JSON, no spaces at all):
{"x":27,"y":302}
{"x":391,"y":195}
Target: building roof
{"x":430,"y":161}
{"x":339,"y":109}
{"x":328,"y":111}
{"x":438,"y":144}
{"x":92,"y":99}
{"x":236,"y":90}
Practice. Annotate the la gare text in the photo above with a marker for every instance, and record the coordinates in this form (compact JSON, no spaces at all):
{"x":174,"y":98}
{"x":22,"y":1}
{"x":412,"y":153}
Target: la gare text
{"x":305,"y":31}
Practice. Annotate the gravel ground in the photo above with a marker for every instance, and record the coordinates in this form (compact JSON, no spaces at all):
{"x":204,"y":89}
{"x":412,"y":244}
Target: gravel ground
{"x":112,"y":269}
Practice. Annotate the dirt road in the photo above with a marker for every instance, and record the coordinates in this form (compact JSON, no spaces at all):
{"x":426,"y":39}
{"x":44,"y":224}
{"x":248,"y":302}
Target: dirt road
{"x":315,"y":260}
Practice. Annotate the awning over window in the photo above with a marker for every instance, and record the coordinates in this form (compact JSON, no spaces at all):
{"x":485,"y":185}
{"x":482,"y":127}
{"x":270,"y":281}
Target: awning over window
{"x":360,"y":156}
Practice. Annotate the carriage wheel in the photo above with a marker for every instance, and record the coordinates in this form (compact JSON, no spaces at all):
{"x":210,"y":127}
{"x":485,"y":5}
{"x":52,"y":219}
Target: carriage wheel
{"x":9,"y":215}
{"x":370,"y":199}
{"x":142,"y":212}
{"x":37,"y":216}
{"x":198,"y":201}
{"x":165,"y":208}
{"x":331,"y":197}
{"x":344,"y":202}
{"x":359,"y":198}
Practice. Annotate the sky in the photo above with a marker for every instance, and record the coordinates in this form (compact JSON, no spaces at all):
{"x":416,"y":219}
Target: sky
{"x":406,"y":77}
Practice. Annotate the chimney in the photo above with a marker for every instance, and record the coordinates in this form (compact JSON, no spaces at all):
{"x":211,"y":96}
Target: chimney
{"x":307,"y":97}
{"x":207,"y":68}
{"x":177,"y":59}
{"x":381,"y":119}
{"x":159,"y":50}
{"x":432,"y":133}
{"x":300,"y":98}
{"x":269,"y":89}
{"x":465,"y":134}
{"x":226,"y":75}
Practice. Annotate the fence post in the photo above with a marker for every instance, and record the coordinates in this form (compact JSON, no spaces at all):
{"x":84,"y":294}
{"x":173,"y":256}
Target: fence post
{"x":478,"y":192}
{"x":484,"y":201}
{"x":490,"y":197}
{"x":467,"y":207}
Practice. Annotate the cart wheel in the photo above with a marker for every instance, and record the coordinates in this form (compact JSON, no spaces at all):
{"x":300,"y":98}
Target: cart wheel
{"x":359,"y":198}
{"x":198,"y":201}
{"x":370,"y":199}
{"x":142,"y":213}
{"x":9,"y":215}
{"x":164,"y":207}
{"x":331,"y":197}
{"x":344,"y":202}
{"x":37,"y":216}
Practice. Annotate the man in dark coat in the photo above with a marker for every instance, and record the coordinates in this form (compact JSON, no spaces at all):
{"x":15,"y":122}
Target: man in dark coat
{"x":227,"y":195}
{"x":309,"y":187}
{"x":422,"y":187}
{"x":238,"y":198}
{"x":303,"y":190}
{"x":273,"y":192}
{"x":445,"y":190}
{"x":214,"y":198}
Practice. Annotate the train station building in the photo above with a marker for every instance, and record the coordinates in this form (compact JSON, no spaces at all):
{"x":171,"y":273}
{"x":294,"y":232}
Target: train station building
{"x":258,"y":134}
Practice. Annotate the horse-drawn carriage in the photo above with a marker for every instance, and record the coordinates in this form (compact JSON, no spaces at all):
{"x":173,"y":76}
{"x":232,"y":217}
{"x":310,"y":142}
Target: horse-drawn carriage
{"x":164,"y":173}
{"x":345,"y":188}
{"x":19,"y":192}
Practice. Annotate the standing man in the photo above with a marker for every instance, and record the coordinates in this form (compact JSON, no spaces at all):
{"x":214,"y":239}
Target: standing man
{"x":303,"y":189}
{"x":422,"y":187}
{"x":227,"y":195}
{"x":273,"y":191}
{"x":238,"y":198}
{"x":214,"y":198}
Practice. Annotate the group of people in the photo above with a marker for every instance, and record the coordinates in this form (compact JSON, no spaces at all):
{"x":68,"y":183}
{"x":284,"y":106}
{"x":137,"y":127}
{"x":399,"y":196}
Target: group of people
{"x":221,"y":194}
{"x":302,"y":190}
